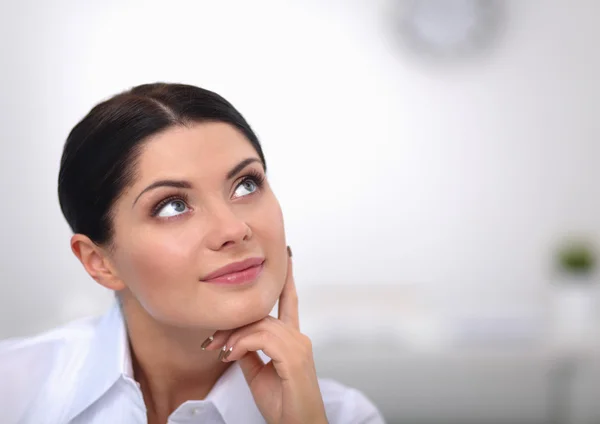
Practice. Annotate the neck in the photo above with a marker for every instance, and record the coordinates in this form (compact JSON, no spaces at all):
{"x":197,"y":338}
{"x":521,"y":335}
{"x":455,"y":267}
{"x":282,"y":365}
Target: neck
{"x":169,"y":362}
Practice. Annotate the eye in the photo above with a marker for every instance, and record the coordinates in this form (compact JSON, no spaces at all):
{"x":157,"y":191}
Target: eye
{"x":172,"y":208}
{"x":246,"y":187}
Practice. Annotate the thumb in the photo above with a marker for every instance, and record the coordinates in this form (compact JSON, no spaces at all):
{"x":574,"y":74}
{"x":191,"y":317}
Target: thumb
{"x":251,"y":364}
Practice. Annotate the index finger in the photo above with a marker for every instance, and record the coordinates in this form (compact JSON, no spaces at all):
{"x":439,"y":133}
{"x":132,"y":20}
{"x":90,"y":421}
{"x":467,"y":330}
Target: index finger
{"x":288,"y":300}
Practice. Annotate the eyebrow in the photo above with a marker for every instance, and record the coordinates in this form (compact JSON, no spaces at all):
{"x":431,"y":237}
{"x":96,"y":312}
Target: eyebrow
{"x":236,"y":169}
{"x":187,"y":185}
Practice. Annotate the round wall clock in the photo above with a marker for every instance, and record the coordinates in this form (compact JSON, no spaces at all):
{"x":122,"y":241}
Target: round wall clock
{"x":449,"y":28}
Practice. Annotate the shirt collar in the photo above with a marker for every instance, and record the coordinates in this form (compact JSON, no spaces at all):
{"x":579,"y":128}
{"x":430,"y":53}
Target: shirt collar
{"x":233,"y":398}
{"x":106,"y":360}
{"x":109,"y":359}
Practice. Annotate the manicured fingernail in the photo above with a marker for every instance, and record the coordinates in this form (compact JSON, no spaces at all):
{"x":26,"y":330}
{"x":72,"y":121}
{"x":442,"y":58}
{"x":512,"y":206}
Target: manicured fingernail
{"x":222,"y":352}
{"x":206,"y":342}
{"x":227,"y":354}
{"x":289,"y":249}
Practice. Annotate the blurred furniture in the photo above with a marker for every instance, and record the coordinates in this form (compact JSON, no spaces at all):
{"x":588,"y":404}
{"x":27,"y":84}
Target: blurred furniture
{"x":468,"y":386}
{"x":460,"y":368}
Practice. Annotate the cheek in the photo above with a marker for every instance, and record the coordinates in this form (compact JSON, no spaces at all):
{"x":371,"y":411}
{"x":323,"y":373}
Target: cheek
{"x":154,"y":261}
{"x":267,"y":222}
{"x":268,"y":228}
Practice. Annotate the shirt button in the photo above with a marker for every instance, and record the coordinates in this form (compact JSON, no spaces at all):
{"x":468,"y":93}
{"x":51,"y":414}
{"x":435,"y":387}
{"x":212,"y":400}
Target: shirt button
{"x":195,"y":411}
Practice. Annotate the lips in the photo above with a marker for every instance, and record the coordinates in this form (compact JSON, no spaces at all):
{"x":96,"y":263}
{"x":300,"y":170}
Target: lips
{"x":236,"y":273}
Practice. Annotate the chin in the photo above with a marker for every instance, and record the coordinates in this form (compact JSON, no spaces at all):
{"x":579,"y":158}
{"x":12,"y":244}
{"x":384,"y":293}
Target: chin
{"x":240,"y":315}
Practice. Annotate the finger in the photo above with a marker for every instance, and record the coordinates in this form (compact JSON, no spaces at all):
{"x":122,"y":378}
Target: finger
{"x":288,"y":300}
{"x":269,"y":324}
{"x":251,"y":364}
{"x":274,"y":347}
{"x":217,"y":340}
{"x":223,"y":338}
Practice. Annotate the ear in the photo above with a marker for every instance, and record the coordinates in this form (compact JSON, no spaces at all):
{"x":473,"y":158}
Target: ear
{"x":96,"y":262}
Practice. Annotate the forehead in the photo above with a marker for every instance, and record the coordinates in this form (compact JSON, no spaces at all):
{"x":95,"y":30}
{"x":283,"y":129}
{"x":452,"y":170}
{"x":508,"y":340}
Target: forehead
{"x":199,"y":150}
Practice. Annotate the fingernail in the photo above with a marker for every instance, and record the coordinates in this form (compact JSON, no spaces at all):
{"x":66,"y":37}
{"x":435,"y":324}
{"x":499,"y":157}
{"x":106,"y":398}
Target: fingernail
{"x":222,"y":352}
{"x":228,"y":353}
{"x":289,"y":249}
{"x":206,"y":342}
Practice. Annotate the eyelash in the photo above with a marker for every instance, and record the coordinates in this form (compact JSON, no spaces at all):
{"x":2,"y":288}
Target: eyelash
{"x":255,"y":176}
{"x":179,"y":196}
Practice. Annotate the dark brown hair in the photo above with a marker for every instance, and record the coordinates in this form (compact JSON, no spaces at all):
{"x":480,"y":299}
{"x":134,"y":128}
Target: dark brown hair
{"x":99,"y":156}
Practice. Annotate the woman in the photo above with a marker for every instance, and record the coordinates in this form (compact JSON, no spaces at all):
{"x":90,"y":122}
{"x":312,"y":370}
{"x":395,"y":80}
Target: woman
{"x":164,"y":188}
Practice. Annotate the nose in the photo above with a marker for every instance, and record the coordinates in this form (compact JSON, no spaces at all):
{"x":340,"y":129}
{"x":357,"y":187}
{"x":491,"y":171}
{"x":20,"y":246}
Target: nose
{"x":226,"y":229}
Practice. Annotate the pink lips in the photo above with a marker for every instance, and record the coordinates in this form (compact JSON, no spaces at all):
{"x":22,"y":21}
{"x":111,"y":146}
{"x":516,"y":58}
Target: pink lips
{"x":242,"y":272}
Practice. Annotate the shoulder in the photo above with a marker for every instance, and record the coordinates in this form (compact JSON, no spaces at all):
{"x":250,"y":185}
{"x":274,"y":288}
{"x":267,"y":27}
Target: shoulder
{"x":28,"y":365}
{"x":346,"y":405}
{"x":41,"y":350}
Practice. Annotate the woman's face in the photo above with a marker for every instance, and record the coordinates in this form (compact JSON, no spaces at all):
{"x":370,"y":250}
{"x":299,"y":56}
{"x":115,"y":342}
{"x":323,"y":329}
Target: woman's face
{"x":199,"y":202}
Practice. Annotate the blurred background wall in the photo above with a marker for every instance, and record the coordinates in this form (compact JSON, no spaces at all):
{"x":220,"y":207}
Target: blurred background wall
{"x":424,"y":194}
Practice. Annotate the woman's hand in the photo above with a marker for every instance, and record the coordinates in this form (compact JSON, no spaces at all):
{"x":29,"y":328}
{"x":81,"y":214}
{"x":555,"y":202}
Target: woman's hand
{"x":286,"y":389}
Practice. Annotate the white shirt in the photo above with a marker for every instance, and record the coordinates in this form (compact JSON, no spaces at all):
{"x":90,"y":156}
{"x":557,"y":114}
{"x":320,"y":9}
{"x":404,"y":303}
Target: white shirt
{"x":81,"y":373}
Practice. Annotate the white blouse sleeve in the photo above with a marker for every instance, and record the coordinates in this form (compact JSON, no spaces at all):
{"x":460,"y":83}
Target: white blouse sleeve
{"x":345,"y":405}
{"x":21,"y":369}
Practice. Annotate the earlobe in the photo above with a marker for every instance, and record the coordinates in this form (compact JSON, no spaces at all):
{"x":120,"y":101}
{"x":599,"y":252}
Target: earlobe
{"x":95,"y":262}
